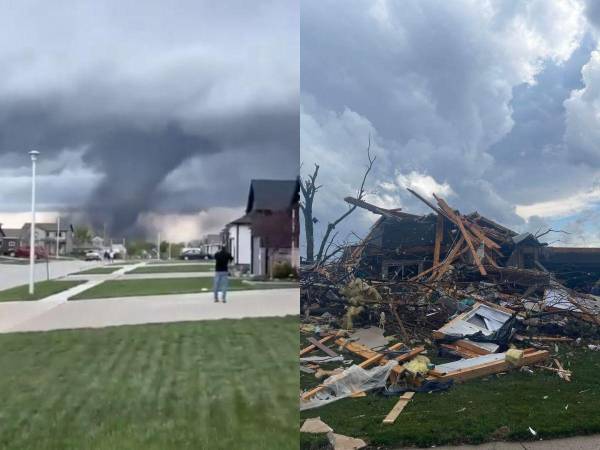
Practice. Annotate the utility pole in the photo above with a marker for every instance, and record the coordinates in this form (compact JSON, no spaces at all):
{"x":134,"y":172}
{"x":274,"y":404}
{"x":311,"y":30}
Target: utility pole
{"x":33,"y":154}
{"x":169,"y":251}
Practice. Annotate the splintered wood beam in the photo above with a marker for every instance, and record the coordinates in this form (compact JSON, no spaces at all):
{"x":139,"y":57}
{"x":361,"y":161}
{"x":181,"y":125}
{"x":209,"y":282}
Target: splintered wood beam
{"x":427,"y":202}
{"x":482,"y":370}
{"x":478,"y":232}
{"x":437,"y":266}
{"x":398,"y":407}
{"x":454,"y":253}
{"x":368,"y":206}
{"x":457,"y":220}
{"x":439,"y":236}
{"x":311,"y":347}
{"x":323,"y":347}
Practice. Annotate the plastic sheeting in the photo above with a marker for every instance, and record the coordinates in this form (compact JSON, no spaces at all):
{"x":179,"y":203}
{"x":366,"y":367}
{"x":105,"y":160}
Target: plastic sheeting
{"x":351,"y":381}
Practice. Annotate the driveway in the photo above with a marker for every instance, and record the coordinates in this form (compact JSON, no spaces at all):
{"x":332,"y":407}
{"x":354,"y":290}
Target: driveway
{"x":55,"y":315}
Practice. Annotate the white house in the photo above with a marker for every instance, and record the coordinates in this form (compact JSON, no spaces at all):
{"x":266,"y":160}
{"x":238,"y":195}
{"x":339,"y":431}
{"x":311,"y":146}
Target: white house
{"x":211,"y":244}
{"x":239,"y":242}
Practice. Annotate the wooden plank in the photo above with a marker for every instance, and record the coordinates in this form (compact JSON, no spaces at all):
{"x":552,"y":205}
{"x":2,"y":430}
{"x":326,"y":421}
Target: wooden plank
{"x":410,"y":355}
{"x":454,"y":253}
{"x":311,"y":347}
{"x":461,"y":351}
{"x":478,"y":232}
{"x":377,"y":358}
{"x":472,"y":347}
{"x":457,"y":220}
{"x":322,"y":347}
{"x":447,"y":261}
{"x":398,"y":407}
{"x":356,"y":348}
{"x":483,"y":370}
{"x":439,"y":236}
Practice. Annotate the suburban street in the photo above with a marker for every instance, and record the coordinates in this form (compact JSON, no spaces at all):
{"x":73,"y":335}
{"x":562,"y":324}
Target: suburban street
{"x":56,"y":312}
{"x":12,"y":275}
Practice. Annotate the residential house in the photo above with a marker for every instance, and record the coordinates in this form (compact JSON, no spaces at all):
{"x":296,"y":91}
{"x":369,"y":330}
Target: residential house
{"x":211,"y":244}
{"x":98,"y":242}
{"x":10,"y":240}
{"x":47,"y":235}
{"x":269,"y":231}
{"x":238,"y":235}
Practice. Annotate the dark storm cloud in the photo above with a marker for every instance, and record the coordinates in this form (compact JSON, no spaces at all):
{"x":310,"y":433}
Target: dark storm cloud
{"x":121,"y":99}
{"x":491,"y":103}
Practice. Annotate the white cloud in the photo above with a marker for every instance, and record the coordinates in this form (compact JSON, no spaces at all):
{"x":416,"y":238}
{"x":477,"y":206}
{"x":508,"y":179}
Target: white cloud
{"x":187,"y":227}
{"x":561,"y":207}
{"x":424,"y":184}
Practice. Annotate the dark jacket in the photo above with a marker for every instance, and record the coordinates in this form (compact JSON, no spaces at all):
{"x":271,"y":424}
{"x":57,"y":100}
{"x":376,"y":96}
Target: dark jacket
{"x":222,"y":260}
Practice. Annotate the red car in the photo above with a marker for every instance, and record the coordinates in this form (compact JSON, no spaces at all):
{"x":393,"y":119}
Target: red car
{"x":23,"y":252}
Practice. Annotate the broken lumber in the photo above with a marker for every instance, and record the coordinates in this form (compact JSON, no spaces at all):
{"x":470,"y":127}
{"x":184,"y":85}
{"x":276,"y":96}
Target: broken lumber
{"x":398,"y":407}
{"x":457,"y":220}
{"x":490,"y":368}
{"x":322,"y":347}
{"x":311,"y":347}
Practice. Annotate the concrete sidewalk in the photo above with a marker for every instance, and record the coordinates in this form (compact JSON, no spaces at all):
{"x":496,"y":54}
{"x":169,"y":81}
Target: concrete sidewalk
{"x":54,"y":314}
{"x":142,"y":276}
{"x":572,"y":443}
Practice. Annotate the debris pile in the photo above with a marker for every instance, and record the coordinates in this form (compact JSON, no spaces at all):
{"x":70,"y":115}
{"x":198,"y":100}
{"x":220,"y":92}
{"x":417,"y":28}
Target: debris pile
{"x":458,"y":286}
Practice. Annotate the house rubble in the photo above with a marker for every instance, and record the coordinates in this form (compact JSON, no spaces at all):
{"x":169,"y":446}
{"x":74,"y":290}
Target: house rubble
{"x":460,"y":286}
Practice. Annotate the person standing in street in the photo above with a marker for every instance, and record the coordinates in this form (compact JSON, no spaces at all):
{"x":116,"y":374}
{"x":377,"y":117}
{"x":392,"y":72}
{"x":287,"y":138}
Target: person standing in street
{"x":222,"y":260}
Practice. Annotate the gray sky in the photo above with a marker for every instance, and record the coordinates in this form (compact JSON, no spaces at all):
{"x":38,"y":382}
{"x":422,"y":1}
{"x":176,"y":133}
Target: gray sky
{"x":147,"y":116}
{"x":495,"y":105}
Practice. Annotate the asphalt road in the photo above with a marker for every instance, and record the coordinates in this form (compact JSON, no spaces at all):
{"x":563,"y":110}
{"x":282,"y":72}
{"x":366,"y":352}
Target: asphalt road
{"x":12,"y":275}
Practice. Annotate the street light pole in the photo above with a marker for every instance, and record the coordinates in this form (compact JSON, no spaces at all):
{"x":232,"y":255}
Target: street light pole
{"x":33,"y":154}
{"x":158,"y":247}
{"x":57,"y":235}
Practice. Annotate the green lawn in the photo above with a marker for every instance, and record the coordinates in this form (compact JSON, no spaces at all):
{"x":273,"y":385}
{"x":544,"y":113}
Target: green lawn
{"x":499,"y":407}
{"x":174,"y":268}
{"x":158,"y":286}
{"x":224,"y":384}
{"x":42,"y":289}
{"x":182,"y":261}
{"x":99,"y":270}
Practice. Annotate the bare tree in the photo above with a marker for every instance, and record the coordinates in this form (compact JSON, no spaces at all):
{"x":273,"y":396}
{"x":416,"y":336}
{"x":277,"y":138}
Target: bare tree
{"x":360,"y":194}
{"x":309,"y":188}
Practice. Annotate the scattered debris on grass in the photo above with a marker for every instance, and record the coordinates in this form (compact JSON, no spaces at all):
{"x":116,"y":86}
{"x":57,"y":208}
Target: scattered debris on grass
{"x":442,"y":285}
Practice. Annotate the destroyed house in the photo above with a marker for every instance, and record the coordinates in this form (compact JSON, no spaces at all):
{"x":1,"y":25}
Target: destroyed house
{"x":401,"y":246}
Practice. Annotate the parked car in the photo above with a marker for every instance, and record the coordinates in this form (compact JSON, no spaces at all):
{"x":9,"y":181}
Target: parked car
{"x":23,"y":252}
{"x":93,"y":256}
{"x":192,"y":253}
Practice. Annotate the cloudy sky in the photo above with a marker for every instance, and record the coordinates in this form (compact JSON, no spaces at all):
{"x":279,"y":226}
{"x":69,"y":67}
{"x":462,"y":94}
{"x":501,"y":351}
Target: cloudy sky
{"x":147,"y":118}
{"x":495,"y":105}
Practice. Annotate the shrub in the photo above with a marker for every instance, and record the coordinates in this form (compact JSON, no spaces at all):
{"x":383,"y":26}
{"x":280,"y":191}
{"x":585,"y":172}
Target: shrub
{"x":284,"y":270}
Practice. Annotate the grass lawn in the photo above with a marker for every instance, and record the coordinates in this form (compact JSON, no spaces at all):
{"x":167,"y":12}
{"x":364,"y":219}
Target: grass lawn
{"x":174,"y":268}
{"x":42,"y":289}
{"x":99,"y":270}
{"x":499,"y":407}
{"x":224,"y":384}
{"x":158,"y":286}
{"x":182,"y":261}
